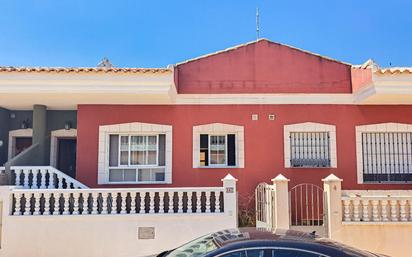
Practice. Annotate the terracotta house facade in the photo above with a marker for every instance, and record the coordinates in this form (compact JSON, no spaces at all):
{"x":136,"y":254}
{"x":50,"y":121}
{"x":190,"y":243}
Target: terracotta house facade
{"x":254,"y":110}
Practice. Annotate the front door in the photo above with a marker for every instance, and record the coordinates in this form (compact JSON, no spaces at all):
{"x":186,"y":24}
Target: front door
{"x":21,"y":144}
{"x":66,"y":158}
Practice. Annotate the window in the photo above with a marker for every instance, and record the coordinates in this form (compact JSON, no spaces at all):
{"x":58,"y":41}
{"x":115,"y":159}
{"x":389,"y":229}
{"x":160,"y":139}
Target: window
{"x":217,"y":150}
{"x":136,"y":158}
{"x":310,"y":145}
{"x":387,"y":156}
{"x":309,"y":149}
{"x":295,"y":253}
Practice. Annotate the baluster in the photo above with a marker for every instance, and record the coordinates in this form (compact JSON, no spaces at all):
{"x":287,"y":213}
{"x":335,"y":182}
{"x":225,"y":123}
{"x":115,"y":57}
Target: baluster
{"x":66,"y":202}
{"x":207,"y":201}
{"x":384,"y":211}
{"x":142,"y":196}
{"x":410,"y":209}
{"x":151,"y":202}
{"x":46,"y":203}
{"x":43,"y":173}
{"x":171,"y":202}
{"x":34,"y":179}
{"x":375,"y":211}
{"x":36,"y":203}
{"x":161,"y":202}
{"x":17,"y":210}
{"x":27,"y":208}
{"x":114,"y":203}
{"x":123,"y":206}
{"x":104,"y":203}
{"x":76,"y":197}
{"x":217,"y":201}
{"x":346,"y":210}
{"x":95,"y":199}
{"x":18,"y":174}
{"x":60,"y":182}
{"x":402,"y":209}
{"x":189,"y":201}
{"x":85,"y":197}
{"x":356,"y":210}
{"x":179,"y":201}
{"x":394,"y":215}
{"x":199,"y":201}
{"x":51,"y":180}
{"x":365,"y":210}
{"x":56,"y":204}
{"x":133,"y":196}
{"x":26,"y":174}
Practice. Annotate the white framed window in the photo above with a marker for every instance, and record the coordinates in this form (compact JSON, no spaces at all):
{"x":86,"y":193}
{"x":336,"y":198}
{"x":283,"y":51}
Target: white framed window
{"x":310,"y":145}
{"x":135,"y":153}
{"x":384,"y":153}
{"x":218,"y":145}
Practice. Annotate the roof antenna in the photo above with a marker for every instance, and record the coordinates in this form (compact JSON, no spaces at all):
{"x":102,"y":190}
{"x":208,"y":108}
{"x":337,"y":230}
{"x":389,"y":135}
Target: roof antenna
{"x":257,"y":24}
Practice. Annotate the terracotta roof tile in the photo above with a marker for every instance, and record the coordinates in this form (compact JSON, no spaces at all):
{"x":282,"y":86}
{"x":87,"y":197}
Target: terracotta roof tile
{"x":394,"y":70}
{"x":83,"y":70}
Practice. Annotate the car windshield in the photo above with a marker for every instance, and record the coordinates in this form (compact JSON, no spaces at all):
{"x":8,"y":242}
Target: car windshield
{"x":196,"y":247}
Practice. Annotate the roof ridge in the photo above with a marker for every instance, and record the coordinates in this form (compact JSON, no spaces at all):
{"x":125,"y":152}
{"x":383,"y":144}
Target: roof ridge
{"x":256,"y":41}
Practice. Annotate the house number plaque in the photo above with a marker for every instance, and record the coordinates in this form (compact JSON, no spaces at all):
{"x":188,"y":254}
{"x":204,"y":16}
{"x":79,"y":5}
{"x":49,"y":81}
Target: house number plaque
{"x":230,"y":190}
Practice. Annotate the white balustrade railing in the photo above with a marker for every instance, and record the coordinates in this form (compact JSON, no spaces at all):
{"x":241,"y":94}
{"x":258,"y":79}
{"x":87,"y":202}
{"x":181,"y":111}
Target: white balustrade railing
{"x":377,"y":206}
{"x":42,"y":177}
{"x":117,"y":201}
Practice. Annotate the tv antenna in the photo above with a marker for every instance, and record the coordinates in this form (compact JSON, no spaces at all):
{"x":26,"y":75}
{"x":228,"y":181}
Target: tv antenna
{"x":257,"y":24}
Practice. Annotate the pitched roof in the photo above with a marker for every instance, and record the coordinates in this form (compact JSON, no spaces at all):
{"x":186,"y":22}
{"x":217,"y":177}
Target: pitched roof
{"x":394,"y":70}
{"x":254,"y":42}
{"x":83,"y":70}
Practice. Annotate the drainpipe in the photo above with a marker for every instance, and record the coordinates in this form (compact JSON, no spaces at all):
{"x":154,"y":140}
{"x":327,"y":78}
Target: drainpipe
{"x":39,"y":133}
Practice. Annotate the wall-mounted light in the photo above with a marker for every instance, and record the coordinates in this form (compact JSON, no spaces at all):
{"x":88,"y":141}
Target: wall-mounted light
{"x":12,"y":115}
{"x":67,"y":125}
{"x":1,"y":143}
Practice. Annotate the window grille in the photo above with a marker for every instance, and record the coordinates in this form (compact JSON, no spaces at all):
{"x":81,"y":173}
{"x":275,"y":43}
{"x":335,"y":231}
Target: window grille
{"x":310,"y":149}
{"x":387,"y":156}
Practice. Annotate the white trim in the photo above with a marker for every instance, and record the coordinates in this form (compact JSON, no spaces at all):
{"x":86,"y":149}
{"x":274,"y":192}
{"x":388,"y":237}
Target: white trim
{"x":132,"y":128}
{"x":379,"y":127}
{"x":310,"y":127}
{"x":12,"y":139}
{"x":55,"y":135}
{"x":219,"y":129}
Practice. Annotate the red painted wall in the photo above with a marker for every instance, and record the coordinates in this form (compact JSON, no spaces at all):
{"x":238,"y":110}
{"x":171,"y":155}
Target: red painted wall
{"x":263,"y":139}
{"x":263,"y":67}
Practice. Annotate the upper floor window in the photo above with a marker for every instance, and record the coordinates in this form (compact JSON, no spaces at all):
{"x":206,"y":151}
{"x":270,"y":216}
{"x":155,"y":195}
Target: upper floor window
{"x":218,"y":145}
{"x":384,"y":153}
{"x":310,"y":145}
{"x":135,"y":153}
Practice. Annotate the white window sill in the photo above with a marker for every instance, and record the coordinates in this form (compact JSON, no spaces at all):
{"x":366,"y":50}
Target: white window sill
{"x":218,"y":167}
{"x":311,"y":167}
{"x":136,"y":183}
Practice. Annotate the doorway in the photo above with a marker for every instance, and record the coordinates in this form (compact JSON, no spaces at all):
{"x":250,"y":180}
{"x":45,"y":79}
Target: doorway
{"x":66,"y":156}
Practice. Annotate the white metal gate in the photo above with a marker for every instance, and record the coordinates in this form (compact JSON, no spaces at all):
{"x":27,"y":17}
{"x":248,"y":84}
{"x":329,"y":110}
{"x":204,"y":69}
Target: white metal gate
{"x":264,"y":198}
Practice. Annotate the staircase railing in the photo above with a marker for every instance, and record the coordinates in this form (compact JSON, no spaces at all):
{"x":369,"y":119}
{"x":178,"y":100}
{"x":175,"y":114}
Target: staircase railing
{"x":42,"y":177}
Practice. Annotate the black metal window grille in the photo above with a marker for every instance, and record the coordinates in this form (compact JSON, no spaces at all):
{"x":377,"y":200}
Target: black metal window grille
{"x":387,"y":156}
{"x":309,"y":149}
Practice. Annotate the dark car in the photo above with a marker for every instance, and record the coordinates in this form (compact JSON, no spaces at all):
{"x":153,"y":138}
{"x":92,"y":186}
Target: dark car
{"x":257,"y":242}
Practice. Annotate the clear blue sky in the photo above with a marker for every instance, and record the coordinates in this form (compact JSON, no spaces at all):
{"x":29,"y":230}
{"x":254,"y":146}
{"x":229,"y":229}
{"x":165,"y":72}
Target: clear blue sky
{"x":157,"y":33}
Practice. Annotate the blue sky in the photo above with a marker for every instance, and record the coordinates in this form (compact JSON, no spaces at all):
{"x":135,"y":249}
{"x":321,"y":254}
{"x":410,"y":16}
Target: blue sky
{"x":157,"y":33}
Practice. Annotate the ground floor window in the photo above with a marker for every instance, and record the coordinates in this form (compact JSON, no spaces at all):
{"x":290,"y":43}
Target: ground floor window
{"x":309,"y":149}
{"x":137,"y":158}
{"x":387,"y":156}
{"x":217,"y":150}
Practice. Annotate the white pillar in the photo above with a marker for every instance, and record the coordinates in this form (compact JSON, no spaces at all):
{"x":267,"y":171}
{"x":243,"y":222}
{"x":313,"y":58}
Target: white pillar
{"x":333,"y":190}
{"x":230,"y":197}
{"x":281,"y":214}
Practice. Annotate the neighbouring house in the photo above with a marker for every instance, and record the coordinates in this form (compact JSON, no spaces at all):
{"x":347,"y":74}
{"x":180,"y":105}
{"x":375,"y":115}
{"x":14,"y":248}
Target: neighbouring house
{"x":254,"y":110}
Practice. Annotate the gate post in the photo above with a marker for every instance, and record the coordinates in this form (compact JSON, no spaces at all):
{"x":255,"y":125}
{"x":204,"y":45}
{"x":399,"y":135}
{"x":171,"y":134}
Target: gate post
{"x":230,"y":198}
{"x":333,"y":198}
{"x":281,"y":206}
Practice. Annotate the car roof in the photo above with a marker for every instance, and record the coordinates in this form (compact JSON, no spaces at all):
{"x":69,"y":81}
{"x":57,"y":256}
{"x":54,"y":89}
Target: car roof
{"x":241,"y":238}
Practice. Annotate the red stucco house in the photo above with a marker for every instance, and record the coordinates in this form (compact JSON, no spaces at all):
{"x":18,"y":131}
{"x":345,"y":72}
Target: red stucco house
{"x":254,"y":110}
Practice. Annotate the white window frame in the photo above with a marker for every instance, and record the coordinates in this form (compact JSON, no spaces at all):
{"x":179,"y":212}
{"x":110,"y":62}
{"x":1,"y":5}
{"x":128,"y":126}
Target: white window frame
{"x":209,"y":150}
{"x":133,"y":128}
{"x":379,"y":127}
{"x":310,"y":127}
{"x":128,"y":165}
{"x":219,"y":129}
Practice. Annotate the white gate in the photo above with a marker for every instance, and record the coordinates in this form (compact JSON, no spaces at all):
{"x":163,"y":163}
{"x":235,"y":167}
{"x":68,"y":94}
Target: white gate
{"x":264,"y":195}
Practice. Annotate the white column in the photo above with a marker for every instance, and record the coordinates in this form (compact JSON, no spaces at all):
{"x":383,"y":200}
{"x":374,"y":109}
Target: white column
{"x":17,"y":211}
{"x":76,"y":197}
{"x":346,"y":205}
{"x":104,"y":203}
{"x":123,"y":210}
{"x":332,"y":188}
{"x":365,"y":210}
{"x":384,"y":212}
{"x":46,"y":204}
{"x":43,"y":173}
{"x":230,"y":198}
{"x":151,"y":201}
{"x":142,"y":202}
{"x":375,"y":212}
{"x":281,"y":219}
{"x":402,"y":210}
{"x":217,"y":201}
